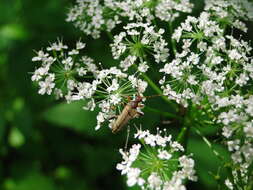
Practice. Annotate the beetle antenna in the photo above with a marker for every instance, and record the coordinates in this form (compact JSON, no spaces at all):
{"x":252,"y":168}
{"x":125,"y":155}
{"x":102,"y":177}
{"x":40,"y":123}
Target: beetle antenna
{"x":128,"y":132}
{"x":153,"y":96}
{"x":156,"y":95}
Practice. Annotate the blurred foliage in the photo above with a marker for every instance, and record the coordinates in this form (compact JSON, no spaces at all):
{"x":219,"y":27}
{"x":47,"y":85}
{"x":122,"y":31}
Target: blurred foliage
{"x":48,"y":145}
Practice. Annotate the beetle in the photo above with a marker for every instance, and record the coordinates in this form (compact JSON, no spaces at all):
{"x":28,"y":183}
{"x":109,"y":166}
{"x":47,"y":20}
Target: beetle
{"x":129,"y":112}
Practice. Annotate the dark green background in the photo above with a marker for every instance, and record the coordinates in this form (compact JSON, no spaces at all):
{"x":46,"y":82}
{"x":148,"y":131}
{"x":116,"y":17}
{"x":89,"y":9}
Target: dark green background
{"x":48,"y":145}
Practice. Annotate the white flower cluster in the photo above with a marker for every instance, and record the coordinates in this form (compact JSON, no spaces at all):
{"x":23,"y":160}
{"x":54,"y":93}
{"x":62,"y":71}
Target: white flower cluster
{"x":198,"y":28}
{"x":230,"y":12}
{"x":115,"y":86}
{"x":186,"y":77}
{"x":94,"y":16}
{"x":59,"y":66}
{"x":147,"y":10}
{"x":90,"y":16}
{"x":220,"y":70}
{"x":168,"y":10}
{"x":137,"y":42}
{"x":237,"y":119}
{"x":158,"y":167}
{"x":208,"y":69}
{"x":219,"y":63}
{"x":67,"y":75}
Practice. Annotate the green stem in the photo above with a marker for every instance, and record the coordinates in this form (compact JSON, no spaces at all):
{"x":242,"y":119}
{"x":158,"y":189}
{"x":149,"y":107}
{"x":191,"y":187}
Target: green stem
{"x":183,"y":135}
{"x":173,"y":44}
{"x":109,"y":35}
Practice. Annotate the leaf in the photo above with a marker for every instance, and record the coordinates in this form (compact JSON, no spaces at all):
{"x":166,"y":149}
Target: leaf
{"x":206,"y":161}
{"x":100,"y":157}
{"x":9,"y":184}
{"x":72,"y":116}
{"x":136,"y":187}
{"x":34,"y":181}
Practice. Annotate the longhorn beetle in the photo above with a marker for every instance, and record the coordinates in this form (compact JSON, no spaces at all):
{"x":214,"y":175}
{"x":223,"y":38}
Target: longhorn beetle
{"x":129,"y":112}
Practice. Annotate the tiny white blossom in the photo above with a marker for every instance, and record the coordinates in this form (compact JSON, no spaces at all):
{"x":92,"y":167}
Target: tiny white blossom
{"x":163,"y":154}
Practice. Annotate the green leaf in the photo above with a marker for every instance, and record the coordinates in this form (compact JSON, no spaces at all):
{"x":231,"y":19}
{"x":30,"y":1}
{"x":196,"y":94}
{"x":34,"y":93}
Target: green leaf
{"x":98,"y":156}
{"x":136,"y":187}
{"x":206,"y":161}
{"x":72,"y":116}
{"x":9,"y":184}
{"x":34,"y":181}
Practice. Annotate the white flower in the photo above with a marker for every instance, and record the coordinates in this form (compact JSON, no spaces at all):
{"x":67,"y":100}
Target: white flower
{"x":178,"y":147}
{"x":143,"y":67}
{"x":242,"y":79}
{"x":90,"y":105}
{"x":114,"y":86}
{"x":133,"y":176}
{"x":41,"y":56}
{"x":233,"y":145}
{"x":150,"y":140}
{"x":233,"y":54}
{"x":58,"y":93}
{"x":248,"y":129}
{"x":134,"y":152}
{"x":228,"y":117}
{"x":229,"y":184}
{"x":80,"y":45}
{"x":115,"y":99}
{"x":154,"y":181}
{"x":164,"y":155}
{"x":227,"y":131}
{"x":141,"y":134}
{"x":73,"y":52}
{"x":68,"y":62}
{"x":47,"y":86}
{"x":187,"y":165}
{"x":100,"y":119}
{"x":57,"y":46}
{"x":40,"y":72}
{"x":127,"y":62}
{"x":174,"y":184}
{"x":192,"y":80}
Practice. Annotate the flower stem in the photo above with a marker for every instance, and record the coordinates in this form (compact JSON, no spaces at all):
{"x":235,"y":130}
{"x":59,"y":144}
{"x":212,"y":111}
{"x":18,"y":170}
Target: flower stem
{"x":172,"y":40}
{"x":109,"y":35}
{"x":183,"y":135}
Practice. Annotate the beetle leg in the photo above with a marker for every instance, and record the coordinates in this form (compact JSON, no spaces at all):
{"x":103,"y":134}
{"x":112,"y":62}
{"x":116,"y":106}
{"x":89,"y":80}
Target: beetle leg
{"x":141,"y":106}
{"x":139,"y":113}
{"x":113,"y":117}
